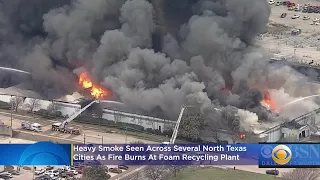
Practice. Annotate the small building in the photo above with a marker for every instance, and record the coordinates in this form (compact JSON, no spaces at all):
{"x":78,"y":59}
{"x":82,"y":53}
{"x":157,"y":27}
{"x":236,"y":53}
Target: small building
{"x":293,"y":131}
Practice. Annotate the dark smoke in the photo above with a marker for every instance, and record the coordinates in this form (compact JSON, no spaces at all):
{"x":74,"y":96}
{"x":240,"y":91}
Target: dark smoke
{"x":204,"y":45}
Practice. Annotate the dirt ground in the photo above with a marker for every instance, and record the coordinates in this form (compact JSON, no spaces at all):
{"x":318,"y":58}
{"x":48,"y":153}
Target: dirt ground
{"x":88,"y":135}
{"x":279,"y":41}
{"x":8,"y":140}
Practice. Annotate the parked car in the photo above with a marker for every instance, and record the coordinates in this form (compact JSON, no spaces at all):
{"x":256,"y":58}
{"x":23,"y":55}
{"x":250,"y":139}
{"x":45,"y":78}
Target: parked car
{"x":64,"y":175}
{"x":4,"y":177}
{"x":272,"y":172}
{"x":39,"y":171}
{"x":271,"y":2}
{"x":49,"y":168}
{"x":278,"y":3}
{"x":306,"y":17}
{"x":69,"y":173}
{"x":124,"y":167}
{"x":291,"y":4}
{"x":14,"y":172}
{"x":283,"y":15}
{"x":75,"y":172}
{"x":296,"y":16}
{"x":6,"y":174}
{"x":43,"y":177}
{"x":115,"y":170}
{"x":310,"y":10}
{"x":291,"y":8}
{"x":298,"y":8}
{"x":285,"y":3}
{"x":52,"y":173}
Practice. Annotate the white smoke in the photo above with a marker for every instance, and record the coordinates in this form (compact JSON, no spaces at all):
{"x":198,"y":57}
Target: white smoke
{"x":291,"y":107}
{"x":248,"y":120}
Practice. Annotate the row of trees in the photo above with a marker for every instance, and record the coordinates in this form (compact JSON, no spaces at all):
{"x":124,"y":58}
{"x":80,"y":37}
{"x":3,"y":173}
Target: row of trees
{"x":150,"y":173}
{"x":31,"y":105}
{"x":165,"y":172}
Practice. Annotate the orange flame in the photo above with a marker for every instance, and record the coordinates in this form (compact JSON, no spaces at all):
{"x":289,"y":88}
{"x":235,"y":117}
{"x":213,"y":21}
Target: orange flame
{"x":96,"y":91}
{"x":268,"y":102}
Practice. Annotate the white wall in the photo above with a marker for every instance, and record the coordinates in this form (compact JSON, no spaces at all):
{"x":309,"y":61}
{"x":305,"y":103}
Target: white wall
{"x":40,"y":104}
{"x":67,"y":109}
{"x":273,"y":135}
{"x":5,"y":98}
{"x":145,"y":121}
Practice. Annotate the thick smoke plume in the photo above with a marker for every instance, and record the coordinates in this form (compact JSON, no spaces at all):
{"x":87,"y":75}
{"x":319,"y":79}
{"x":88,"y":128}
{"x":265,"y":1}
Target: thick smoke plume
{"x":206,"y":46}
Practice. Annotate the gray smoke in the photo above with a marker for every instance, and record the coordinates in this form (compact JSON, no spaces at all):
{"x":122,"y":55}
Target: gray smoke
{"x":208,"y":46}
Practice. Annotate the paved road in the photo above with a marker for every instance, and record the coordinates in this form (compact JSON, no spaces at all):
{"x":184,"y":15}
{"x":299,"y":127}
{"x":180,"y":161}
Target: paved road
{"x":95,"y":136}
{"x":89,"y":133}
{"x":256,"y":169}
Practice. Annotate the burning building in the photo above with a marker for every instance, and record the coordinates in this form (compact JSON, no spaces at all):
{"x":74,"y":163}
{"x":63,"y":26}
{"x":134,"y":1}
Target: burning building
{"x":200,"y":49}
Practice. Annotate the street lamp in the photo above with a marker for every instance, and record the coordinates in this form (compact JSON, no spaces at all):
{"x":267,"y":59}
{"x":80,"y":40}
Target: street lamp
{"x":101,"y":139}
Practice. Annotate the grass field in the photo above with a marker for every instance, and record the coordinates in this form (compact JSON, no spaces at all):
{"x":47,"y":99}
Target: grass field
{"x":210,"y":173}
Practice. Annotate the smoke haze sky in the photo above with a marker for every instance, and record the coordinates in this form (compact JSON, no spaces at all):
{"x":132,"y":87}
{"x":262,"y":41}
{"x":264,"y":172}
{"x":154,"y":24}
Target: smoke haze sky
{"x":209,"y":47}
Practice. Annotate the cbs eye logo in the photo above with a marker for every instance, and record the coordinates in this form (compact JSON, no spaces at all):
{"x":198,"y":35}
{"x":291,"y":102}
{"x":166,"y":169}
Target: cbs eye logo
{"x":266,"y":151}
{"x":281,"y":154}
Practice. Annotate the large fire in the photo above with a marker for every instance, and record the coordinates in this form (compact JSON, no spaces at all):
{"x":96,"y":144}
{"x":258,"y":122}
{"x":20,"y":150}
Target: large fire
{"x":96,"y":91}
{"x":268,"y":102}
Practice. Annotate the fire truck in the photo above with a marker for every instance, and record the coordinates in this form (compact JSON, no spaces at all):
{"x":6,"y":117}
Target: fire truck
{"x":63,"y":127}
{"x":31,"y":126}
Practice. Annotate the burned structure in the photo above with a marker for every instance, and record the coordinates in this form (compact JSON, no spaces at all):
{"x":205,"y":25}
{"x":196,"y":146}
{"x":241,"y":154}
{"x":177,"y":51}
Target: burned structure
{"x":154,"y":56}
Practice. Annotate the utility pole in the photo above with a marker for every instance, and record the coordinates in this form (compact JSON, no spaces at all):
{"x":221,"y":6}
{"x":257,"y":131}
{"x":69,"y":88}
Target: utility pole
{"x":126,"y":135}
{"x":11,"y":111}
{"x":33,"y":171}
{"x":101,"y":139}
{"x":84,"y":138}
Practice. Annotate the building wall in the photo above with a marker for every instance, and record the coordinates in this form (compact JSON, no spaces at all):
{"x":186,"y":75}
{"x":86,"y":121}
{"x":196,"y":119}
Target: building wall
{"x":222,"y":136}
{"x":5,"y":98}
{"x":68,"y":109}
{"x":272,"y":135}
{"x":145,"y":121}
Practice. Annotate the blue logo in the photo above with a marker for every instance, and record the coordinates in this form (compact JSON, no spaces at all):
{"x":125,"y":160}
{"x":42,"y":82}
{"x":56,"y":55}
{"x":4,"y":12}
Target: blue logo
{"x":44,"y":153}
{"x":266,"y":151}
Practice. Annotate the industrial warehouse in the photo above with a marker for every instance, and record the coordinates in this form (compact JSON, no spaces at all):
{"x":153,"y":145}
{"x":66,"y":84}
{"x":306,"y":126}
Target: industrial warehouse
{"x":159,"y":71}
{"x":300,"y":128}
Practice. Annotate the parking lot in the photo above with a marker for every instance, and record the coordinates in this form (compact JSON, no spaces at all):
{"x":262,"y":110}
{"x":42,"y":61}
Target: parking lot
{"x":279,"y":39}
{"x":53,"y":172}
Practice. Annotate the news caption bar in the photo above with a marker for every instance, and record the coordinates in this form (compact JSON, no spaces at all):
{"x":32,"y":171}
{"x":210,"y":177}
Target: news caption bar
{"x":262,"y":155}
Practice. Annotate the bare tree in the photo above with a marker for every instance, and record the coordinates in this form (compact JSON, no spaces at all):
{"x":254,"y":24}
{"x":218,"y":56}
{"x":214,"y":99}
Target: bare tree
{"x":33,"y":103}
{"x":155,"y":172}
{"x":53,"y":107}
{"x":16,"y":102}
{"x":215,"y":134}
{"x":175,"y":169}
{"x":136,"y":176}
{"x":302,"y":174}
